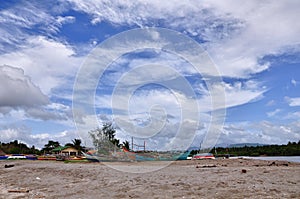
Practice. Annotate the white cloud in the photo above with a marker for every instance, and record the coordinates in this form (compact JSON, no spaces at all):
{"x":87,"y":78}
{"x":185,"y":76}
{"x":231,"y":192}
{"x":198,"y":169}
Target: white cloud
{"x":66,"y":19}
{"x":17,"y":20}
{"x":271,"y":103}
{"x":293,"y":115}
{"x":266,"y":31}
{"x":17,"y":90}
{"x":294,"y":82}
{"x":239,"y":33}
{"x":293,"y":101}
{"x":262,"y":132}
{"x":48,"y":63}
{"x":273,"y":113}
{"x":38,"y":140}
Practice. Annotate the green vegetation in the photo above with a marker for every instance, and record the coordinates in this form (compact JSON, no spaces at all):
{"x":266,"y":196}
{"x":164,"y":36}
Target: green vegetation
{"x":50,"y":146}
{"x":290,"y":149}
{"x":16,"y":147}
{"x":106,"y":133}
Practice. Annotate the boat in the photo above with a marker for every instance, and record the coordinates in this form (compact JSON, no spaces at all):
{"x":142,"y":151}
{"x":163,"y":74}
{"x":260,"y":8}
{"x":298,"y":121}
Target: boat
{"x":69,"y":158}
{"x":16,"y":157}
{"x":201,"y":156}
{"x":46,"y":157}
{"x":3,"y":157}
{"x":31,"y":157}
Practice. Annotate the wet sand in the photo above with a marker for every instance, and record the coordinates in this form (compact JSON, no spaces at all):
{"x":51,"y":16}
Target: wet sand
{"x":239,"y":178}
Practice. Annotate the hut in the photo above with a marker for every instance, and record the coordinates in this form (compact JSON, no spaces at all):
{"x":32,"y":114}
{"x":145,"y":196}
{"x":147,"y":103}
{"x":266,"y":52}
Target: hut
{"x":66,"y":151}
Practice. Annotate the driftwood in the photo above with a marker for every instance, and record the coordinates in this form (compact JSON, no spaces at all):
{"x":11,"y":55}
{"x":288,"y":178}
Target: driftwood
{"x":206,"y":166}
{"x":18,"y":191}
{"x":9,"y":165}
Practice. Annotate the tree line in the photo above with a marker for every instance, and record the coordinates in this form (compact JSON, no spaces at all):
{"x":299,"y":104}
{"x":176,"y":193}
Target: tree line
{"x":16,"y":147}
{"x":289,"y":149}
{"x":107,"y":132}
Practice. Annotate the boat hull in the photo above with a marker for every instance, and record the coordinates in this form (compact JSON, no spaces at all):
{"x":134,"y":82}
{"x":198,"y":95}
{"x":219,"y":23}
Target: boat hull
{"x":3,"y":157}
{"x":203,"y":156}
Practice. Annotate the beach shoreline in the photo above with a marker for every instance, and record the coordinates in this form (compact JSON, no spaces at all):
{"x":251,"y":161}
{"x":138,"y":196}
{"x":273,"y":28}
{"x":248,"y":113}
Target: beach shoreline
{"x":222,"y":178}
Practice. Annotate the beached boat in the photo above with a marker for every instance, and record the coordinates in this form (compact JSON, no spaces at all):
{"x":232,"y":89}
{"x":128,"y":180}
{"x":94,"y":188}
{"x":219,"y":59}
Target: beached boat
{"x":31,"y":157}
{"x":46,"y":157}
{"x":3,"y":157}
{"x":69,"y":158}
{"x":16,"y":157}
{"x":201,"y":156}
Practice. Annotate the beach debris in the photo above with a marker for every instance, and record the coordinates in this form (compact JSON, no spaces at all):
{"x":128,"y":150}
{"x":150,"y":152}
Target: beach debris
{"x":37,"y":178}
{"x":206,"y":166}
{"x":278,"y":164}
{"x":244,"y":171}
{"x":9,"y":165}
{"x":18,"y":191}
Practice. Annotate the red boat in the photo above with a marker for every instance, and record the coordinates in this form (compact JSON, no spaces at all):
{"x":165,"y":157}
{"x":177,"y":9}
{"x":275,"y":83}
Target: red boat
{"x":201,"y":156}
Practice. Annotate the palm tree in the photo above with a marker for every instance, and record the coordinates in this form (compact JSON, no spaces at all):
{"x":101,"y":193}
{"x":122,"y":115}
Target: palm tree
{"x":109,"y":131}
{"x":50,"y":146}
{"x":77,"y":144}
{"x":126,"y":144}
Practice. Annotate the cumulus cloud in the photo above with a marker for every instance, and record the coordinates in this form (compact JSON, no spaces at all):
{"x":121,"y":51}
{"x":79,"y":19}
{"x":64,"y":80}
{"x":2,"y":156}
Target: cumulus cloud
{"x":17,"y":89}
{"x":49,"y":63}
{"x":19,"y":93}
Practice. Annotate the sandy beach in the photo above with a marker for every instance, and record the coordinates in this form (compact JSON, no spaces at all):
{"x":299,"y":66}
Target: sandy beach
{"x":228,"y":178}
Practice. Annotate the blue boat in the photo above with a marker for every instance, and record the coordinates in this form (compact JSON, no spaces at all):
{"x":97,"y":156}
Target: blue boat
{"x":18,"y":157}
{"x":3,"y":157}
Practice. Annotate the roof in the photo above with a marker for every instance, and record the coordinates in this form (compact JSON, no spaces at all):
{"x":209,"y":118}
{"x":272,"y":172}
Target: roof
{"x":60,"y":148}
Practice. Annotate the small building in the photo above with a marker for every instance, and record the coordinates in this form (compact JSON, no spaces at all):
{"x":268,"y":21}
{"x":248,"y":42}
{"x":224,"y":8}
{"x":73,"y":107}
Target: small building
{"x":66,"y":151}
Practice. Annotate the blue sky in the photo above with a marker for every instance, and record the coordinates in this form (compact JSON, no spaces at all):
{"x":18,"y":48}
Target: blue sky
{"x":254,"y":46}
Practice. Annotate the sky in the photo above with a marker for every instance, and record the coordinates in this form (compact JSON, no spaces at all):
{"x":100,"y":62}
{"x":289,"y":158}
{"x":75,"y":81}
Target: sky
{"x":54,"y":84}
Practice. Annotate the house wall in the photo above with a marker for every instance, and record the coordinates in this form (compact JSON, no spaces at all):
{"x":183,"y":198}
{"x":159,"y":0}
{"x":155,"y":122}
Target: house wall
{"x":70,"y":151}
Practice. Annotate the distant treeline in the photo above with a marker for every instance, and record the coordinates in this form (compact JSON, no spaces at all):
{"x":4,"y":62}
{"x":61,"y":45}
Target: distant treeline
{"x":16,"y":147}
{"x":290,"y":149}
